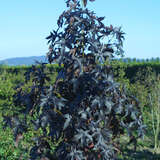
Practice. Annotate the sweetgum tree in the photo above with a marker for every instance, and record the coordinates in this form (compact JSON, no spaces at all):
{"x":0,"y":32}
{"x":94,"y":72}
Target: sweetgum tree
{"x":84,"y":110}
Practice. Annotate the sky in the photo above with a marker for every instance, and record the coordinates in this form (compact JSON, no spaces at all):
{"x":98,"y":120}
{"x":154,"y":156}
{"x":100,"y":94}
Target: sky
{"x":24,"y":25}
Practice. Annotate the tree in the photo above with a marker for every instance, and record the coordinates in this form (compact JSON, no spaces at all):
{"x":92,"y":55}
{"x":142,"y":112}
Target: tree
{"x":154,"y":98}
{"x":85,"y":110}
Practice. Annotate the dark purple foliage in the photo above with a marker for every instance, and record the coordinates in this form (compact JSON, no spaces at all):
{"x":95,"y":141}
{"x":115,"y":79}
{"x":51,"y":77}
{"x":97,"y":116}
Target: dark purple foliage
{"x":85,"y":106}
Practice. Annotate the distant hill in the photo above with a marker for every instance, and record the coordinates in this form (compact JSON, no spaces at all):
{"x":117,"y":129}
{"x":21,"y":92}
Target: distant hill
{"x":31,"y":60}
{"x":23,"y":60}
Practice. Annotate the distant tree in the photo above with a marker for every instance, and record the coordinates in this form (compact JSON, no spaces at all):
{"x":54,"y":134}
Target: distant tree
{"x":147,"y":60}
{"x":134,"y":60}
{"x":157,"y":59}
{"x":128,"y":60}
{"x":152,"y":59}
{"x":85,"y":111}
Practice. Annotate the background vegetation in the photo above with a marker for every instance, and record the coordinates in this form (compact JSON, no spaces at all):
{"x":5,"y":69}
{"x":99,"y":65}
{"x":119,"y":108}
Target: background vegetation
{"x":140,"y":78}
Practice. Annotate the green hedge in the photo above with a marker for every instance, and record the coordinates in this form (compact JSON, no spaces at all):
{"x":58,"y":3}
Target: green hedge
{"x":130,"y":68}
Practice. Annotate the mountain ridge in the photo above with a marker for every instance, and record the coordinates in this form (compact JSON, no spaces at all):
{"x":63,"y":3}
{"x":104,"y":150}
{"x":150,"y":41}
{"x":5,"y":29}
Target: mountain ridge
{"x":18,"y":61}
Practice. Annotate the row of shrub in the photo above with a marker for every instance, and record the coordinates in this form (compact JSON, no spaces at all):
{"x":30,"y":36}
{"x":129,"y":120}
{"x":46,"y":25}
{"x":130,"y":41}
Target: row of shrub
{"x":22,"y":69}
{"x":140,"y":80}
{"x":130,"y":68}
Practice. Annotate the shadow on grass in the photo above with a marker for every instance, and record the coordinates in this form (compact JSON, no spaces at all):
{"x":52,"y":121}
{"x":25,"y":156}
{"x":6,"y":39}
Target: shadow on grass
{"x":139,"y":155}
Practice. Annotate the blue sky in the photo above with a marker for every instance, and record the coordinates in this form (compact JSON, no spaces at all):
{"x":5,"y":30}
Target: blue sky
{"x":24,"y":24}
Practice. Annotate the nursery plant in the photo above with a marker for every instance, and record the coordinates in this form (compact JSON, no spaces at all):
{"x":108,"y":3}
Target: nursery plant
{"x":154,"y":98}
{"x":84,"y":112}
